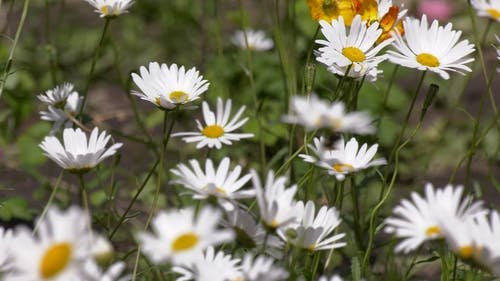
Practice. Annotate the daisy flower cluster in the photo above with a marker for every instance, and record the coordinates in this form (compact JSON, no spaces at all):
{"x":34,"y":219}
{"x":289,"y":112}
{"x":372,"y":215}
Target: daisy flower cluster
{"x":57,"y":251}
{"x":445,"y":214}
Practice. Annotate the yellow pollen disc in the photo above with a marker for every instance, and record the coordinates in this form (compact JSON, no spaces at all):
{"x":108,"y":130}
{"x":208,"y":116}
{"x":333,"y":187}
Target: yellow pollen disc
{"x":55,"y":259}
{"x":354,"y":54}
{"x":213,"y":131}
{"x":158,"y":101}
{"x":185,"y":242}
{"x":311,"y":247}
{"x":217,"y":189}
{"x":274,"y":224}
{"x":104,"y":10}
{"x":342,"y":167}
{"x":178,"y":96}
{"x":433,"y":231}
{"x":466,"y":252}
{"x":428,"y":60}
{"x":494,"y":13}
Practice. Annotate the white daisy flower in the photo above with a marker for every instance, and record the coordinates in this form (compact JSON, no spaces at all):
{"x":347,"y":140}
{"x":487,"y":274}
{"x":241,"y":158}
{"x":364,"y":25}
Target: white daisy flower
{"x":168,"y":87}
{"x":419,"y":221}
{"x":313,"y":113}
{"x":221,"y":183}
{"x":345,"y":158}
{"x":357,"y":49}
{"x":57,"y":252}
{"x":112,"y":273}
{"x":254,"y":40}
{"x":59,"y":116}
{"x":77,"y":154}
{"x":250,"y":234}
{"x":210,"y":266}
{"x":487,"y":8}
{"x":333,"y":278}
{"x":5,"y":238}
{"x":110,"y":8}
{"x":313,"y":233}
{"x":217,"y":129}
{"x":275,"y":201}
{"x":58,"y":96}
{"x":179,"y":236}
{"x":431,"y":48}
{"x":261,"y":268}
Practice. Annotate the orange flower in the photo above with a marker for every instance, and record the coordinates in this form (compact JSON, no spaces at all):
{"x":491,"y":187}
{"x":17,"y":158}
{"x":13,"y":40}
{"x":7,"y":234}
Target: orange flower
{"x":329,"y":10}
{"x":389,"y":22}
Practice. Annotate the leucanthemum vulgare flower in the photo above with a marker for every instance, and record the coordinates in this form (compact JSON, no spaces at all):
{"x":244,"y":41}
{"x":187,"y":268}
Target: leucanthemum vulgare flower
{"x":180,"y":236}
{"x":57,"y":97}
{"x":254,"y":40}
{"x":112,"y":273}
{"x":77,"y":154}
{"x":60,"y":116}
{"x":433,"y":48}
{"x":250,"y":234}
{"x":345,"y":158}
{"x":487,"y":8}
{"x":209,"y":266}
{"x":313,"y":232}
{"x":419,"y":221}
{"x":221,"y":183}
{"x":57,"y":252}
{"x":261,"y":268}
{"x":168,"y":87}
{"x":356,"y":50}
{"x":313,"y":113}
{"x":5,"y":237}
{"x":110,"y":8}
{"x":218,"y":129}
{"x":475,"y":239}
{"x":276,"y":203}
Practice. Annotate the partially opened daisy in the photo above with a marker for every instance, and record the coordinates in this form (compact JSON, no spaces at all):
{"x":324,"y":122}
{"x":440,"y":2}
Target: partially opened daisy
{"x":59,"y":116}
{"x":356,"y":51}
{"x":254,"y":40}
{"x":333,"y":278}
{"x":275,"y":200}
{"x":419,"y":221}
{"x":180,"y":236}
{"x":77,"y":154}
{"x":210,"y":266}
{"x":314,"y":231}
{"x":221,"y":183}
{"x":261,"y":268}
{"x":169,"y":86}
{"x":57,"y":252}
{"x":218,"y":129}
{"x":313,"y":113}
{"x":345,"y":158}
{"x":110,"y":8}
{"x":487,"y":8}
{"x":433,"y":48}
{"x":58,"y":96}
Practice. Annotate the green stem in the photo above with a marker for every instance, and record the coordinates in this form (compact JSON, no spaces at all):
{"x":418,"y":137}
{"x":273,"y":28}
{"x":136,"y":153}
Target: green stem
{"x":92,"y":65}
{"x":49,"y":202}
{"x":389,"y":88}
{"x":385,"y":196}
{"x":355,"y":207}
{"x":8,"y":64}
{"x":83,"y":192}
{"x":340,"y":85}
{"x":315,"y":265}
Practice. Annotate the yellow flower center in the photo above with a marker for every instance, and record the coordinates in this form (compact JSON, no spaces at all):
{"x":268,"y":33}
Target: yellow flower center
{"x":55,"y":259}
{"x":354,"y":54}
{"x":178,"y":96}
{"x":342,"y":167}
{"x":185,"y":242}
{"x":433,"y":231}
{"x":494,"y":13}
{"x":274,"y":223}
{"x":217,"y":189}
{"x":311,"y":247}
{"x":104,"y":10}
{"x":158,"y":101}
{"x":428,"y":60}
{"x":213,"y":131}
{"x":466,"y":252}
